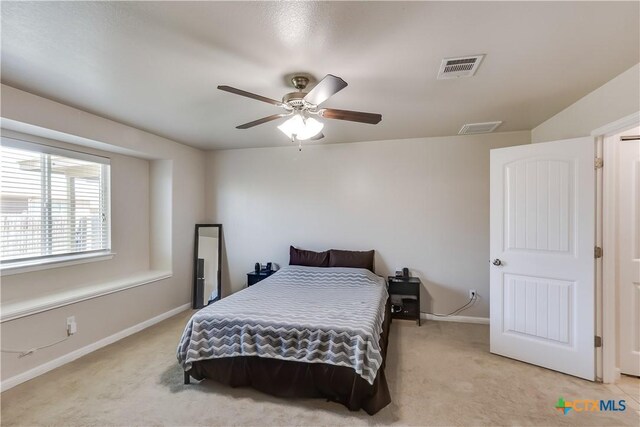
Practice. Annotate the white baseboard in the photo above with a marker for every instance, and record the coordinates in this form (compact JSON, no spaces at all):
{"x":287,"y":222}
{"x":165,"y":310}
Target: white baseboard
{"x":617,"y":375}
{"x":460,"y":319}
{"x":70,"y":357}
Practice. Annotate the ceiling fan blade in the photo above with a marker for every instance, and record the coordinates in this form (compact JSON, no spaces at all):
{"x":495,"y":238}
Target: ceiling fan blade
{"x":327,"y":87}
{"x":317,"y":137}
{"x":250,"y":95}
{"x":352,"y":116}
{"x":261,"y":121}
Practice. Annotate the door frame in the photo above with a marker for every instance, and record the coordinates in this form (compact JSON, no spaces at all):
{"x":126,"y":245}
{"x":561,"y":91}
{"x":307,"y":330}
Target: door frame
{"x":606,"y":292}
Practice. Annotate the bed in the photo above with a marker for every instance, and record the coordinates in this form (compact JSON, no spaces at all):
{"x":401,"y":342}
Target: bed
{"x":302,"y":332}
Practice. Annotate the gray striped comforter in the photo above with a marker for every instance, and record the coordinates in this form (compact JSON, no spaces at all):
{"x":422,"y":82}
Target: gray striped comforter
{"x":303,"y":314}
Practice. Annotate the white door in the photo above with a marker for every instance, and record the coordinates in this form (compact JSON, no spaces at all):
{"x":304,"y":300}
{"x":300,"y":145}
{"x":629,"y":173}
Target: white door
{"x":628,"y":254}
{"x":542,"y":240}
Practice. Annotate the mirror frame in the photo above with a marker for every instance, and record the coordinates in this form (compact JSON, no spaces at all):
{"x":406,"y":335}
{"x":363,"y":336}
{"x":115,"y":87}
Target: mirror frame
{"x":195,"y":303}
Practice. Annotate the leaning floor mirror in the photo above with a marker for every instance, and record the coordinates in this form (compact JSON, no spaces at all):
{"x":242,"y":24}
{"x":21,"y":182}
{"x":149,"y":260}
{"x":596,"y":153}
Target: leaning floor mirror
{"x":207,"y":264}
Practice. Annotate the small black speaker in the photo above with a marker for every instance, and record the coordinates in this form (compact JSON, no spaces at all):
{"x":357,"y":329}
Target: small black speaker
{"x":198,"y":297}
{"x":200,"y":269}
{"x":405,"y":273}
{"x":256,"y":267}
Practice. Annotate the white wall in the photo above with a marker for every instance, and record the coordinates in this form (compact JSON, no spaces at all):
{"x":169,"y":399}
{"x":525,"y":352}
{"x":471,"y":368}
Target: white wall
{"x":614,"y":100}
{"x":164,"y":225}
{"x":421,"y":203}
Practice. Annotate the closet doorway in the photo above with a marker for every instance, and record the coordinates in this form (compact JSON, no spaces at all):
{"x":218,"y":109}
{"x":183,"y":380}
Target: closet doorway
{"x":621,"y":249}
{"x":625,"y":148}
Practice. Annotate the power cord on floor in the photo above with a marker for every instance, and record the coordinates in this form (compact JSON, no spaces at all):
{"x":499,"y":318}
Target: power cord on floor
{"x":23,"y":353}
{"x":469,"y":304}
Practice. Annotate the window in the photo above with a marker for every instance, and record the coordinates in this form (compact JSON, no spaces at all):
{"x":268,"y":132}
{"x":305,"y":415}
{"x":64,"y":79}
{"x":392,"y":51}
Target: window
{"x":54,"y":204}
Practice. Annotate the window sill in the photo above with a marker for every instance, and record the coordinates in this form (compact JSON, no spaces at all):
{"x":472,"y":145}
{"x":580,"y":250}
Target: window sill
{"x":16,"y":310}
{"x":28,"y":266}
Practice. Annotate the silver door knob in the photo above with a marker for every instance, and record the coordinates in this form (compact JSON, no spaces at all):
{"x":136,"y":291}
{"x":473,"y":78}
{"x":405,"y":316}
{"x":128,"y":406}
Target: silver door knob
{"x":496,"y":262}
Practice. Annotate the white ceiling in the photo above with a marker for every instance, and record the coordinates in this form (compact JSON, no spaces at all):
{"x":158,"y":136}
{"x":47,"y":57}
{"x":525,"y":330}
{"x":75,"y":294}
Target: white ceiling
{"x":156,"y":65}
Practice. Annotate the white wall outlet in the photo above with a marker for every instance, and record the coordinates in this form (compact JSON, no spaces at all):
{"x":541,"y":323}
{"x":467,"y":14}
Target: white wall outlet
{"x":473,"y":294}
{"x":72,"y":326}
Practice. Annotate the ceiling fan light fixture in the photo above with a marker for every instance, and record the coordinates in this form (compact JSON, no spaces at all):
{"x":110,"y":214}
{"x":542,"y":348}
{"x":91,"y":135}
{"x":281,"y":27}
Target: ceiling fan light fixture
{"x":301,"y":129}
{"x":300,"y":105}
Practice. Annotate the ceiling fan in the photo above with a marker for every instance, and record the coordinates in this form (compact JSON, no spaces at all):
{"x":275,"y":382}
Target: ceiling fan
{"x":301,"y":106}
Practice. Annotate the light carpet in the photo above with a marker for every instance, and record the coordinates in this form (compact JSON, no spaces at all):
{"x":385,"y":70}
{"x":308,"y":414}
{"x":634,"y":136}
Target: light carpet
{"x":439,"y":374}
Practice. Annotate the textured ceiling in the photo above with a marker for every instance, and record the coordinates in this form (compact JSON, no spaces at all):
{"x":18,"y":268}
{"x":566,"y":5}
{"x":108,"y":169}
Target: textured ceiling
{"x":156,"y":65}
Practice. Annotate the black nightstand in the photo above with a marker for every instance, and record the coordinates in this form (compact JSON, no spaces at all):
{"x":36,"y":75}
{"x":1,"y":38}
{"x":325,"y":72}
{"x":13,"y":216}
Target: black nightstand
{"x":253,"y":277}
{"x":405,"y":293}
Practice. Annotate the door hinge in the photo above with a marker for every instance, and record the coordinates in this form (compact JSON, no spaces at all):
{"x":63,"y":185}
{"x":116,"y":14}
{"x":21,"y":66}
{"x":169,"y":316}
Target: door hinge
{"x":597,"y":252}
{"x":599,"y":163}
{"x":598,"y":341}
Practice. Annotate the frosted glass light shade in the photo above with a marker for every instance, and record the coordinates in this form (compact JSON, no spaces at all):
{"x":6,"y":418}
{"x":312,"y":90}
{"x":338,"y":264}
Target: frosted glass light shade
{"x":301,"y":129}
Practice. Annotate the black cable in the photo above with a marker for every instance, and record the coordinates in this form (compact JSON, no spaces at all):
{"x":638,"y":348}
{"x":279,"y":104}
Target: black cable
{"x":469,"y":304}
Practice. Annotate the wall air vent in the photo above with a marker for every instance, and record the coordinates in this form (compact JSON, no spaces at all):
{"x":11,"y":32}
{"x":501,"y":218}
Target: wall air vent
{"x":471,"y":128}
{"x":464,"y":66}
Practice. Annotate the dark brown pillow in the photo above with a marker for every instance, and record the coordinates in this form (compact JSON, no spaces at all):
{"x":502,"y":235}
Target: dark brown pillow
{"x":353,"y":259}
{"x":308,"y":258}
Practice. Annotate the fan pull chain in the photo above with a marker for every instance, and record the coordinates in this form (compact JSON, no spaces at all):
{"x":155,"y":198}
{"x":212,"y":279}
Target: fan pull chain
{"x":293,"y":140}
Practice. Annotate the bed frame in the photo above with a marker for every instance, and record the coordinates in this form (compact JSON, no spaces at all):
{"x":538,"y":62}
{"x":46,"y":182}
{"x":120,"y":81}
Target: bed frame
{"x":285,"y":378}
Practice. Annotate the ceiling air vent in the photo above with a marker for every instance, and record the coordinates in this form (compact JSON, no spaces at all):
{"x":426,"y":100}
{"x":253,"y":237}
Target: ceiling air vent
{"x":471,"y":128}
{"x":465,"y":66}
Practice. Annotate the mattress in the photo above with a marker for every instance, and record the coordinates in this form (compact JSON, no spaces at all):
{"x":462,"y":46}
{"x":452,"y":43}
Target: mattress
{"x":305,"y":314}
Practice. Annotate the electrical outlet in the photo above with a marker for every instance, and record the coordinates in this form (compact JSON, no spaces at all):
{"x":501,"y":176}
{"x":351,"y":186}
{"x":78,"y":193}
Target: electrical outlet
{"x":72,"y":326}
{"x":472,"y":294}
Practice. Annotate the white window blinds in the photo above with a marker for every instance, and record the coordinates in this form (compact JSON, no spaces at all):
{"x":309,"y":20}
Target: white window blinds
{"x":53,"y":202}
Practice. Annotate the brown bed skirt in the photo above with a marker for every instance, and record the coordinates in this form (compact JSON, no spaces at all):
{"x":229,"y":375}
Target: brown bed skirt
{"x":285,"y":378}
